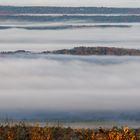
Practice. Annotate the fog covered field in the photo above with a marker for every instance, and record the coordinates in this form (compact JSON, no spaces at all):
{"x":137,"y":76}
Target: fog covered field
{"x":66,"y":86}
{"x":69,"y":84}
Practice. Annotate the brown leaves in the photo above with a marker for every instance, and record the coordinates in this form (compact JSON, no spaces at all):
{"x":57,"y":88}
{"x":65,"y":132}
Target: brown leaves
{"x":22,"y":132}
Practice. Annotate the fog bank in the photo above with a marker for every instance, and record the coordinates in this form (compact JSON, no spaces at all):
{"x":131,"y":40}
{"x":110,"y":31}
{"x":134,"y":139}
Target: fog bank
{"x":69,"y":84}
{"x":40,"y":40}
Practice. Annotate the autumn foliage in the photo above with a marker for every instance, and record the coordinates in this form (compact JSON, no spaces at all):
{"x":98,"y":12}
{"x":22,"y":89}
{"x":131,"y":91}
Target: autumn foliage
{"x":36,"y":132}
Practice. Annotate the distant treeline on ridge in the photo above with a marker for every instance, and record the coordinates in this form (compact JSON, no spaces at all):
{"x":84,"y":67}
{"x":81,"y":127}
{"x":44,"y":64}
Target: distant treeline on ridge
{"x":67,"y":10}
{"x":83,"y":51}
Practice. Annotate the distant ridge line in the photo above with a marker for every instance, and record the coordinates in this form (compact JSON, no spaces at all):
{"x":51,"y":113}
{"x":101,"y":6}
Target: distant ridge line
{"x":72,"y":10}
{"x":99,"y":51}
{"x":83,"y":51}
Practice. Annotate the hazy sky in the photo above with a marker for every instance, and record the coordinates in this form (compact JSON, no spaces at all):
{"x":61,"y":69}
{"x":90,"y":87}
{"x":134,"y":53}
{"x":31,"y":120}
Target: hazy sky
{"x":114,"y":3}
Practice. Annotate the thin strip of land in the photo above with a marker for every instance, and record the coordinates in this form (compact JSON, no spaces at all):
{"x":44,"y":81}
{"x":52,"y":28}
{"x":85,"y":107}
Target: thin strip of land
{"x":107,"y":51}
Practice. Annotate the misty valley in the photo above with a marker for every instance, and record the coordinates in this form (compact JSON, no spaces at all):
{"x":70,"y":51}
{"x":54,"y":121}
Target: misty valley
{"x":72,"y":68}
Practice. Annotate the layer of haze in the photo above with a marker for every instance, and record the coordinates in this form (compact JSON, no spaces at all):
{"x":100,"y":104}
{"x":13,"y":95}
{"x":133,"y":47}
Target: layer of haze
{"x":100,"y":3}
{"x":69,"y":84}
{"x":40,"y":40}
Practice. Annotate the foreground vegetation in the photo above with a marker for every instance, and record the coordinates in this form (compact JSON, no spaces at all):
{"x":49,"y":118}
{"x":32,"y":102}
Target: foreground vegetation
{"x":27,"y":132}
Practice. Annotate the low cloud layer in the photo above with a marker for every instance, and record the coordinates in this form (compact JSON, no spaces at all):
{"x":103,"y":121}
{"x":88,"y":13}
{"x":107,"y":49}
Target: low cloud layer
{"x":14,"y":39}
{"x":72,"y":85}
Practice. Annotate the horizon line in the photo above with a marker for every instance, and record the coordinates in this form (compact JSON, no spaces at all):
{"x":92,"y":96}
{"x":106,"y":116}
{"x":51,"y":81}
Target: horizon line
{"x":69,"y":6}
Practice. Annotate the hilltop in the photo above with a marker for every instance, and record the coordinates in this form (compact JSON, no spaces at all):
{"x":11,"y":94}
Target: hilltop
{"x":98,"y":51}
{"x":81,"y":51}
